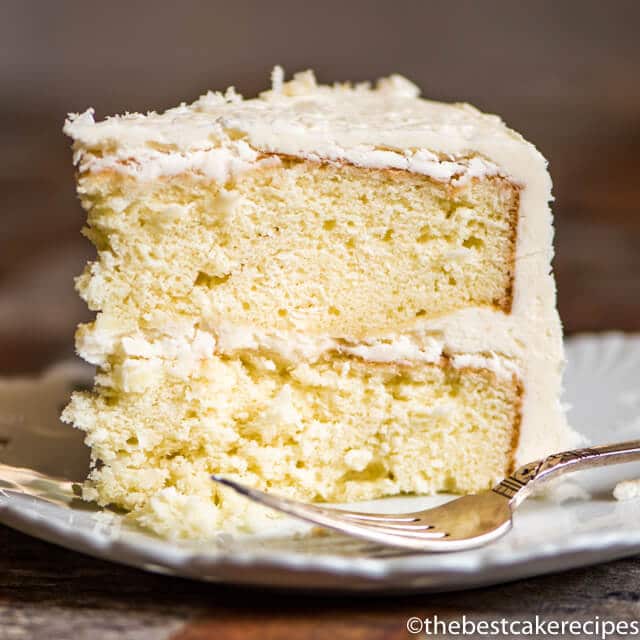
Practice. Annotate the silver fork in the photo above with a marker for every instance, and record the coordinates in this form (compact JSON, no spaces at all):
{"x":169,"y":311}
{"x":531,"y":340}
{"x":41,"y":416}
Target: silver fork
{"x":464,"y":523}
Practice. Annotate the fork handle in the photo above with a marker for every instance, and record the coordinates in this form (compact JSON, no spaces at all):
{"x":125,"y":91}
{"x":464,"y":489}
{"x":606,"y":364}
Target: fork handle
{"x":521,"y":482}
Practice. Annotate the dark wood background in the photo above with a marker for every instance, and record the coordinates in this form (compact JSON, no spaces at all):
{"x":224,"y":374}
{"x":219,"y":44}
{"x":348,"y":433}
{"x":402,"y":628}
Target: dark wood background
{"x":566,"y":74}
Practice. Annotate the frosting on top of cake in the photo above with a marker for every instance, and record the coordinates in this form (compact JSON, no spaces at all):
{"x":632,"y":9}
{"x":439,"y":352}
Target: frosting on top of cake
{"x":388,"y":125}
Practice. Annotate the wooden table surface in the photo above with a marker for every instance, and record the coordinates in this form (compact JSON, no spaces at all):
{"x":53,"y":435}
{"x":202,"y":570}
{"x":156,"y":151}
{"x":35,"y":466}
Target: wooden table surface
{"x":47,"y":592}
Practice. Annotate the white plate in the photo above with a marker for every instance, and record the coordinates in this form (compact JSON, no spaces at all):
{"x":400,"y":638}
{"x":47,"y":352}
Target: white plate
{"x":603,"y":389}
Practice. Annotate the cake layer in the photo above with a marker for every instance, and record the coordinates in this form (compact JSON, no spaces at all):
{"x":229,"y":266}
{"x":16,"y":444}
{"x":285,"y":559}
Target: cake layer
{"x":340,"y":429}
{"x":327,"y":249}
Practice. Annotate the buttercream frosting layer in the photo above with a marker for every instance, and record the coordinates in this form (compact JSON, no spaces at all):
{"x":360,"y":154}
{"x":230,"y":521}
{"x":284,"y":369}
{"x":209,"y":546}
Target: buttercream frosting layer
{"x":187,"y":348}
{"x":221,"y":134}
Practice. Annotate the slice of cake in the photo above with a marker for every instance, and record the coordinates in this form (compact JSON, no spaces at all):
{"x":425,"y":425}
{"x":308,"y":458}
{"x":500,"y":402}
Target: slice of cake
{"x":334,"y":293}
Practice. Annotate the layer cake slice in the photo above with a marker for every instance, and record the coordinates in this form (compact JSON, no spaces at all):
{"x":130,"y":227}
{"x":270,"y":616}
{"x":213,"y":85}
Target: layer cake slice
{"x":334,"y":293}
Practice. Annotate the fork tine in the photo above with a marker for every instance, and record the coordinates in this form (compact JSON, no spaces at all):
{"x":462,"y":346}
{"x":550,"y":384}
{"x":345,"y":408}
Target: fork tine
{"x":330,"y":518}
{"x":293,"y":506}
{"x":386,"y":517}
{"x":464,"y":523}
{"x":401,"y":526}
{"x":278,"y":501}
{"x":423,"y":534}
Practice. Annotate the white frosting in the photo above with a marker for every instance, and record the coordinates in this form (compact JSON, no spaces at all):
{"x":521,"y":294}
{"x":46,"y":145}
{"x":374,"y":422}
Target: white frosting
{"x":96,"y":345}
{"x":502,"y":367}
{"x":627,"y":490}
{"x":401,"y":349}
{"x":219,"y":162}
{"x":336,"y":120}
{"x":389,"y":126}
{"x":227,"y":339}
{"x":291,"y":347}
{"x":298,"y":347}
